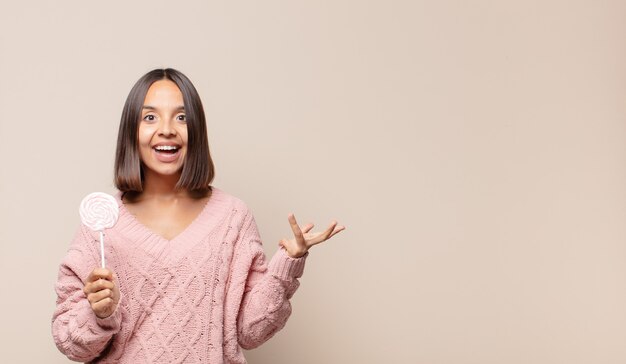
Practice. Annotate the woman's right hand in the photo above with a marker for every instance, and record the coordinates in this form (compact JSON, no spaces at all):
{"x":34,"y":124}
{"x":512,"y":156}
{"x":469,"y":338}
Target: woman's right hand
{"x":102,"y":292}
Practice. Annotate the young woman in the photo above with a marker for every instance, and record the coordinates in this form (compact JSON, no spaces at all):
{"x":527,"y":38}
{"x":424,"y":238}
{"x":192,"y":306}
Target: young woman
{"x":186,"y":278}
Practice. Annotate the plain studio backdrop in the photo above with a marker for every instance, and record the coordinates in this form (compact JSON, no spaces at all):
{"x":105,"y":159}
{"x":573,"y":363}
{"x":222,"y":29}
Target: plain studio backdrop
{"x":475,"y":150}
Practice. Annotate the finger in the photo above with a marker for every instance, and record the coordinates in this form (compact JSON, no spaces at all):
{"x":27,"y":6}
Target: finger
{"x":98,"y":273}
{"x":329,"y":230}
{"x":100,"y":295}
{"x":103,"y":306}
{"x":282,"y":243}
{"x":101,"y":284}
{"x":307,"y":228}
{"x":98,"y":285}
{"x":295,"y":228}
{"x":340,"y":228}
{"x":323,"y":236}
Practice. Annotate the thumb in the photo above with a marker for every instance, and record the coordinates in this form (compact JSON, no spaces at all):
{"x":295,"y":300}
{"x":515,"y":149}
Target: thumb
{"x":282,"y":243}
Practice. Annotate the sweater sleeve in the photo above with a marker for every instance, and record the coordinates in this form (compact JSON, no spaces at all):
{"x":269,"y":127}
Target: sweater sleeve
{"x":77,"y":331}
{"x":265,"y":306}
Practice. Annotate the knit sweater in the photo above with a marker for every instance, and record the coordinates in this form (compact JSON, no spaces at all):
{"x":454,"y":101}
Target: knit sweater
{"x":198,"y":298}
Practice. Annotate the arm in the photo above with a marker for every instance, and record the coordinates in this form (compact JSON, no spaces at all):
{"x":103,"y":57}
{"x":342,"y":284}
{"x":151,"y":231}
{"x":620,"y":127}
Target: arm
{"x":77,"y":331}
{"x":265,"y":305}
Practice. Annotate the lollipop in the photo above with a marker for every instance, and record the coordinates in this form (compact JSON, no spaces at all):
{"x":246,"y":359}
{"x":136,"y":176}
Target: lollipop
{"x":99,"y":210}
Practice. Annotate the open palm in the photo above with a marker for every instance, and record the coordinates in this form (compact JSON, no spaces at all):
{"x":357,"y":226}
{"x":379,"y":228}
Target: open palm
{"x":303,"y":239}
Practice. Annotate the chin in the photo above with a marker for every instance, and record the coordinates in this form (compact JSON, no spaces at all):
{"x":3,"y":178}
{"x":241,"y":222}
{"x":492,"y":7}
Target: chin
{"x":165,"y":171}
{"x":169,"y":171}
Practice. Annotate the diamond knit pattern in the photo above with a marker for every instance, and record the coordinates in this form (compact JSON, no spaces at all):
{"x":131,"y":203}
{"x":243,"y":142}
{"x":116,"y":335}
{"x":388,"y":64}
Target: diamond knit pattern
{"x":198,"y":298}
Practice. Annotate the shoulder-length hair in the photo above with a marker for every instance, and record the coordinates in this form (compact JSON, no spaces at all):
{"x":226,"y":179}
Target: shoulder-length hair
{"x":198,"y":169}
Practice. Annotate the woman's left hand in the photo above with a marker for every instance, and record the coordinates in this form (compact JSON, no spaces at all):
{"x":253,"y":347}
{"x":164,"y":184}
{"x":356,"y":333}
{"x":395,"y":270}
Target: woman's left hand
{"x":297,"y":247}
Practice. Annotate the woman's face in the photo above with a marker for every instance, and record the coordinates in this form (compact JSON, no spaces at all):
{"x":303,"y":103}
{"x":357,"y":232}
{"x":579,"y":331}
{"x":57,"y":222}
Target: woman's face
{"x":162,"y":131}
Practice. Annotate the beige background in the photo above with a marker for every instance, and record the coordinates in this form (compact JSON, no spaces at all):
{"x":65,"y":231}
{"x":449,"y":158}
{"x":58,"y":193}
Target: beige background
{"x":475,"y":150}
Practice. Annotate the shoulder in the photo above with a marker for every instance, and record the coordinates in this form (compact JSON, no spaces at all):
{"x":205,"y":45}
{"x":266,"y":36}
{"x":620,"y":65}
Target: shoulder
{"x":238,"y":205}
{"x":80,"y":256}
{"x":241,"y":215}
{"x":247,"y":241}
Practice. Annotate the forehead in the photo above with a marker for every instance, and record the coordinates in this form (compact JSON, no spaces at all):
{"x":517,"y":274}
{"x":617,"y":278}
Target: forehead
{"x":164,"y":93}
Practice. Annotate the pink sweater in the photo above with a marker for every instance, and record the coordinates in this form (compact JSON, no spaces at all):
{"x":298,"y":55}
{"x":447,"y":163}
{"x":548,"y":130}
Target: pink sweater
{"x":198,"y":298}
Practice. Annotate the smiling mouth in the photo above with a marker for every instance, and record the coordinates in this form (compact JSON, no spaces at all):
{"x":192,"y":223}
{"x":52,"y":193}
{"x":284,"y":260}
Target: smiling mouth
{"x":167,"y":150}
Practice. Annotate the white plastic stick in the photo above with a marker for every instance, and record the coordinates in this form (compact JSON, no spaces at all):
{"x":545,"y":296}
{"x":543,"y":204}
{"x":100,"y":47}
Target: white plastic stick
{"x":102,"y":247}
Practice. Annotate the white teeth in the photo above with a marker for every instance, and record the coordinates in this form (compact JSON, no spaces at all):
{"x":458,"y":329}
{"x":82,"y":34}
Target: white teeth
{"x":165,"y":147}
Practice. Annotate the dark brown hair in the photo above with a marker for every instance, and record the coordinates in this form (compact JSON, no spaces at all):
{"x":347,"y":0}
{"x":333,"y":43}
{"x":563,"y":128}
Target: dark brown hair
{"x":198,"y":169}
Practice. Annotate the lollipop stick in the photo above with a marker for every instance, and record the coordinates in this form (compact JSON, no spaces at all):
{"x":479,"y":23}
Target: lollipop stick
{"x":102,"y":247}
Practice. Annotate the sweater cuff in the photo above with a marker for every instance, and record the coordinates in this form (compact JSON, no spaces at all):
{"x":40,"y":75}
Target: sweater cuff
{"x":285,"y":267}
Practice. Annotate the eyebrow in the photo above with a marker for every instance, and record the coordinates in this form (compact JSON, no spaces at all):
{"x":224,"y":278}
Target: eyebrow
{"x":149,"y":107}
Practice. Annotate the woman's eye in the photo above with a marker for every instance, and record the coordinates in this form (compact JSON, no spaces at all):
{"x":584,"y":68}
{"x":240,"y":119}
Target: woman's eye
{"x":149,"y":117}
{"x":182,"y":117}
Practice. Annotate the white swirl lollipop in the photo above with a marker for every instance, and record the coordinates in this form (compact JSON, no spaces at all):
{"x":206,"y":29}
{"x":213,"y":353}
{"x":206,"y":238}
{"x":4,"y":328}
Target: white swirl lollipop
{"x":99,"y":210}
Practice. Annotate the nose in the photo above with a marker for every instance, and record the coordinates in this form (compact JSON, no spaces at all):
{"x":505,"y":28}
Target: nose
{"x":166,"y":129}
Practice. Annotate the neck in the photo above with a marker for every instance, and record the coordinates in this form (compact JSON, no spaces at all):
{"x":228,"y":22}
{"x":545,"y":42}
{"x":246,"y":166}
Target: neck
{"x":161,"y":186}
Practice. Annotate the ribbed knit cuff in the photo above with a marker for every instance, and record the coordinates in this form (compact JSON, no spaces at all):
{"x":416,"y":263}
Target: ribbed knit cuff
{"x":285,"y":267}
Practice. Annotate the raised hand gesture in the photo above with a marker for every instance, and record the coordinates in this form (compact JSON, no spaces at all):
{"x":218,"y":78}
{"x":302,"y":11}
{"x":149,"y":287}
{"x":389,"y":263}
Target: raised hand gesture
{"x":303,"y":240}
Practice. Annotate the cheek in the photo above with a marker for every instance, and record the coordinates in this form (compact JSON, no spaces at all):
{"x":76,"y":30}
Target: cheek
{"x":143,"y":143}
{"x":183,"y":136}
{"x":144,"y":136}
{"x":183,"y":133}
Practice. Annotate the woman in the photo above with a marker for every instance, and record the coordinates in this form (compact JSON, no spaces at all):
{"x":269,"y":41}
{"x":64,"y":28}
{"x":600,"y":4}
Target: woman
{"x":187,"y":279}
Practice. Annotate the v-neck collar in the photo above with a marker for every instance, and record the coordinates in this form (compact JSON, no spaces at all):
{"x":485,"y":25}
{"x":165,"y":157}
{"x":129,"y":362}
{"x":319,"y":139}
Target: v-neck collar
{"x":206,"y":220}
